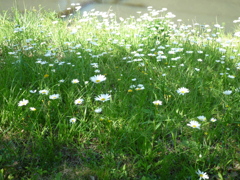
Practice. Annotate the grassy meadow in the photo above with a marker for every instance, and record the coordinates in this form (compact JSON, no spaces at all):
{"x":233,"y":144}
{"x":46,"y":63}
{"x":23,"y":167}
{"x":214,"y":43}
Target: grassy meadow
{"x":96,"y":97}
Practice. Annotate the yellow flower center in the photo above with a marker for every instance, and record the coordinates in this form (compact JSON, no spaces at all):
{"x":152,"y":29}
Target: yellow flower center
{"x":98,"y":80}
{"x":102,"y":99}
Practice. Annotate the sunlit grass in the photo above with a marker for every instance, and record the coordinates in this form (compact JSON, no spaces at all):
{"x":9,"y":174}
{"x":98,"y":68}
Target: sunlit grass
{"x":99,"y":97}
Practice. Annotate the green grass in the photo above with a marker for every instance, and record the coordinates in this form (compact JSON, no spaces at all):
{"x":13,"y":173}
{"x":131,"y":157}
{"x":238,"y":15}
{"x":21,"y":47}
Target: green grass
{"x":143,"y":59}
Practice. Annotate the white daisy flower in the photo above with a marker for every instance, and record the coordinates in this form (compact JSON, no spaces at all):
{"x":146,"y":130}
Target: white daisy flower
{"x":157,"y":102}
{"x":98,"y":78}
{"x":182,"y":91}
{"x":32,"y":108}
{"x":44,"y":91}
{"x":98,"y":110}
{"x":228,"y":92}
{"x":213,"y":120}
{"x":202,"y":118}
{"x":78,"y":101}
{"x":75,"y":81}
{"x":139,"y":87}
{"x":33,"y":91}
{"x":24,"y":102}
{"x":54,"y":96}
{"x":194,"y":124}
{"x":73,"y":120}
{"x":202,"y":175}
{"x":103,"y":97}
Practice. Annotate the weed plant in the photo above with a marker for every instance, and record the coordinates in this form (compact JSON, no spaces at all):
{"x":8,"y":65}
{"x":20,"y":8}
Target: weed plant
{"x":94,"y":96}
